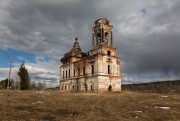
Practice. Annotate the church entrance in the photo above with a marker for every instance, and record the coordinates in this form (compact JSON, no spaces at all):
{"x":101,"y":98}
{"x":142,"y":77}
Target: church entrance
{"x":110,"y":88}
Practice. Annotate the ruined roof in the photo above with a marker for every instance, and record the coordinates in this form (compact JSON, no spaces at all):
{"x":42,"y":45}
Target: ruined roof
{"x":102,"y":21}
{"x":75,"y":51}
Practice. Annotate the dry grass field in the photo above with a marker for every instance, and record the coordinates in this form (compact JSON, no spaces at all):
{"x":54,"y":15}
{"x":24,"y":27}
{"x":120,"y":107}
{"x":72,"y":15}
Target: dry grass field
{"x":57,"y":106}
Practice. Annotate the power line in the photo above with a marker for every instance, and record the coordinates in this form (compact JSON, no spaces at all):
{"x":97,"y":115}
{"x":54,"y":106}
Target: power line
{"x":10,"y":64}
{"x":5,"y":51}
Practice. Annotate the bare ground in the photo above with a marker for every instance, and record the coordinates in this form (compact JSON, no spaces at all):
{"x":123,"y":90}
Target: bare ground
{"x":58,"y":106}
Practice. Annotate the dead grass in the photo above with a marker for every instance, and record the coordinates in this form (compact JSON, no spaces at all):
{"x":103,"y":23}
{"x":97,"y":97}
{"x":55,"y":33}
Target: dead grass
{"x":57,"y":106}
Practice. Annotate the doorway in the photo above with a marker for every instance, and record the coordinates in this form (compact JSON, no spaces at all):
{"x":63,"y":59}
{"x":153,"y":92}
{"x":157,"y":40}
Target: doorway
{"x":110,"y":88}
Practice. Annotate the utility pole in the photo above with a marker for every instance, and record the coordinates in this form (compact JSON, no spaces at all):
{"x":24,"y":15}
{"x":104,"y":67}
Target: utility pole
{"x":9,"y":74}
{"x":16,"y":81}
{"x":10,"y":64}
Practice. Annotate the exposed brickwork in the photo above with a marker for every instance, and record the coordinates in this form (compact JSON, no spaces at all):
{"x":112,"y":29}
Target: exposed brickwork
{"x":98,"y":70}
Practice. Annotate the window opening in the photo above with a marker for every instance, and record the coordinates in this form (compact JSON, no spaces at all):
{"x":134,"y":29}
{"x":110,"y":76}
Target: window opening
{"x":66,"y":73}
{"x":108,"y":69}
{"x":78,"y":71}
{"x":92,"y":69}
{"x":63,"y":74}
{"x":77,"y":87}
{"x":91,"y":87}
{"x":106,"y":38}
{"x":98,"y":39}
{"x":73,"y":87}
{"x":69,"y":73}
{"x":110,"y":88}
{"x":108,"y":53}
{"x":83,"y":70}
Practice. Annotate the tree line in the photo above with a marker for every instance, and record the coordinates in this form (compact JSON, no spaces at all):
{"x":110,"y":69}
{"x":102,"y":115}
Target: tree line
{"x":24,"y":84}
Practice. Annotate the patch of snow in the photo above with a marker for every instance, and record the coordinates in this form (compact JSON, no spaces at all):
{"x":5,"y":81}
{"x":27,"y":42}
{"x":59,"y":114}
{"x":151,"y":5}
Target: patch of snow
{"x":164,"y":96}
{"x":138,"y":111}
{"x":39,"y":92}
{"x":163,"y":107}
{"x":38,"y":102}
{"x":136,"y":117}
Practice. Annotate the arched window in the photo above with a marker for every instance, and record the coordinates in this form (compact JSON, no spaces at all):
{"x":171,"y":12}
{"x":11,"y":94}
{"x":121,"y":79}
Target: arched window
{"x":73,"y":87}
{"x":109,"y":53}
{"x":92,"y":69}
{"x":66,"y":73}
{"x":106,"y":38}
{"x":110,"y":88}
{"x":83,"y":70}
{"x":63,"y":74}
{"x":69,"y":73}
{"x":91,"y":87}
{"x":98,"y":39}
{"x":77,"y":88}
{"x":108,"y":69}
{"x":78,"y":71}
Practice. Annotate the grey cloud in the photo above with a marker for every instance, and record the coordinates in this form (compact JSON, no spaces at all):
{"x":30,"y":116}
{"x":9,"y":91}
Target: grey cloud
{"x":52,"y":19}
{"x":43,"y":78}
{"x":155,"y":53}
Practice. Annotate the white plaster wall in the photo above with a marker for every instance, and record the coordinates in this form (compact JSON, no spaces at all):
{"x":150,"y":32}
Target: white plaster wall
{"x":92,"y":81}
{"x":104,"y":82}
{"x":99,"y":82}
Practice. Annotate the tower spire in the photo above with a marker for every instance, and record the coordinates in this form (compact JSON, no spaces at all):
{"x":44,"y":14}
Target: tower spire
{"x":76,"y":45}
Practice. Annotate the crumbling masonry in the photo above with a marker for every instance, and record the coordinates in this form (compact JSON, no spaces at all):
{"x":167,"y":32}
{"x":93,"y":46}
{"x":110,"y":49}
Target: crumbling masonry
{"x":97,"y":70}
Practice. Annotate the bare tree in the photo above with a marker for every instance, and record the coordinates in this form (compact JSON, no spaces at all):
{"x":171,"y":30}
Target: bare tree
{"x":41,"y":85}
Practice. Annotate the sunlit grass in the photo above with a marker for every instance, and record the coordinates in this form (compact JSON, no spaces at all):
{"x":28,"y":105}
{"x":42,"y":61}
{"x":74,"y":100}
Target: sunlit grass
{"x":57,"y":106}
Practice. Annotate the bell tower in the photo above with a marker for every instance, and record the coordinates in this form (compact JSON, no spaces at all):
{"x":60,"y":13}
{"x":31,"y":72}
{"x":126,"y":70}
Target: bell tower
{"x":102,"y":33}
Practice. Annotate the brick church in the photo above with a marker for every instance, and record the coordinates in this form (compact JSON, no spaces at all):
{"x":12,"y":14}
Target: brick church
{"x":97,"y":70}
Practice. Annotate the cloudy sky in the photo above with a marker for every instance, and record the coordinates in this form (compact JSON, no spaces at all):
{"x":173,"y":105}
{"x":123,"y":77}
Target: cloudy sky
{"x":146,"y":34}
